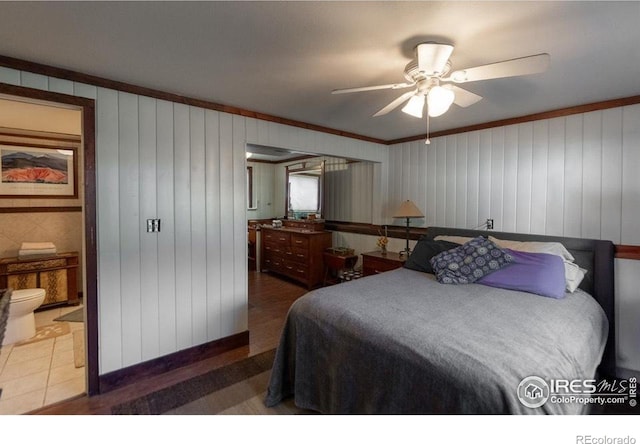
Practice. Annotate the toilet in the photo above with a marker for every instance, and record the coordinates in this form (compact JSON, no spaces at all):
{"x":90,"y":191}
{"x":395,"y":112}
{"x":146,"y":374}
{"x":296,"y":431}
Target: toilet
{"x":21,"y":323}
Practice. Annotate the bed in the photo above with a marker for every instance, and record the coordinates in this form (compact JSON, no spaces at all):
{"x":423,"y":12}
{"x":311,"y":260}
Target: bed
{"x":400,"y":342}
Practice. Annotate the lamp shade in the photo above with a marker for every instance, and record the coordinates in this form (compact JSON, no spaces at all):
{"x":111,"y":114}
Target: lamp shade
{"x":439,"y":100}
{"x":408,"y":210}
{"x":414,"y":106}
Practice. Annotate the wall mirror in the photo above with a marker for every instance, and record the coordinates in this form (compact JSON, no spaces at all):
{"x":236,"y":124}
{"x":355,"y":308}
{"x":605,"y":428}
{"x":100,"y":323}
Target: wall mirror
{"x":345,"y":189}
{"x":305,"y":189}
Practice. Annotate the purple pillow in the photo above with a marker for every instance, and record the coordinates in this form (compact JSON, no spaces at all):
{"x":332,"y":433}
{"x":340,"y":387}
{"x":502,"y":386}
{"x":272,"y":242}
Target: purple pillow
{"x":538,"y":273}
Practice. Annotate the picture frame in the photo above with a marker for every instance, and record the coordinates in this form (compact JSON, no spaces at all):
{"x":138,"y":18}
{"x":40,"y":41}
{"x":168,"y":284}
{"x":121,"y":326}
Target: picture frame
{"x":32,"y":171}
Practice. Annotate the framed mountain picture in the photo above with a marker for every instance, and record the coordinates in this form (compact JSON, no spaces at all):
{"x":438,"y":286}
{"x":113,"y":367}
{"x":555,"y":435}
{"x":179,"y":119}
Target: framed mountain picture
{"x":37,"y":172}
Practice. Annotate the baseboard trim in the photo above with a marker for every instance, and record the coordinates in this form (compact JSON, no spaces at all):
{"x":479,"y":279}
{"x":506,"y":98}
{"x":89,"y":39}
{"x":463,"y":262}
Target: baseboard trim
{"x":119,"y":378}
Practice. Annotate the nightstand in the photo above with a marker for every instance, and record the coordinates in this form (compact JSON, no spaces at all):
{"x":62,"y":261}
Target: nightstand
{"x":335,"y":265}
{"x":375,"y":262}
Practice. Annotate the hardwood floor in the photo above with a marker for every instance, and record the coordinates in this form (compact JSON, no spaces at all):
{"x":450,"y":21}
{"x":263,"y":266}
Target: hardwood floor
{"x":269,"y":301}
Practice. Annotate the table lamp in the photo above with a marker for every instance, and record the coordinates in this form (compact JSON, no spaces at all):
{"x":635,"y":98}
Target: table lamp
{"x":407,"y":210}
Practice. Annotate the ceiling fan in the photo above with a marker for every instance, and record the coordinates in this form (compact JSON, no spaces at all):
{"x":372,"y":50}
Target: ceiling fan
{"x":429,"y":72}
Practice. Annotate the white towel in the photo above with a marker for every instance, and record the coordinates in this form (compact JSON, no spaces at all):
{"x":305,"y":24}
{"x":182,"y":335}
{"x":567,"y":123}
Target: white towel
{"x":37,"y":246}
{"x":44,"y":252}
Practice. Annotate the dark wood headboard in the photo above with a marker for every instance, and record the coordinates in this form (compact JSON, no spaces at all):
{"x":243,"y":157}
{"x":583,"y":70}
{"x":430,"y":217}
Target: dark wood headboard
{"x":596,"y":256}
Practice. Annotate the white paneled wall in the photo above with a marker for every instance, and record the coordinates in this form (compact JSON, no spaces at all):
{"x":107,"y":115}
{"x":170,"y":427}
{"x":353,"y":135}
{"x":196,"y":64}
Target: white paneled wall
{"x":349,"y":193}
{"x":628,"y":314}
{"x":571,"y":176}
{"x":162,"y":292}
{"x":263,"y":192}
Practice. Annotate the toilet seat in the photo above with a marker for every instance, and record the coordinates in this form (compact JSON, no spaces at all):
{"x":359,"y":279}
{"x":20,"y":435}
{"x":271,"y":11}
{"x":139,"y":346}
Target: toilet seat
{"x":26,"y":294}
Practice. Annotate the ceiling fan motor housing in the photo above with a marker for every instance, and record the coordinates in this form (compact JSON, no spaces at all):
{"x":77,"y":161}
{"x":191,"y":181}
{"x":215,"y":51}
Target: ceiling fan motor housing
{"x":413,"y":74}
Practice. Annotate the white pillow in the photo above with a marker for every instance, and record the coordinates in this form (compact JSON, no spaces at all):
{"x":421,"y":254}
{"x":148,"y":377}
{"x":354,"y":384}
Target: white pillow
{"x":535,"y":247}
{"x":573,"y":275}
{"x":572,"y":272}
{"x":455,"y":239}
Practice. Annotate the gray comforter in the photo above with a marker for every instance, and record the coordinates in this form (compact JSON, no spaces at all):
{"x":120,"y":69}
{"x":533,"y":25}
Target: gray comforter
{"x":400,"y":342}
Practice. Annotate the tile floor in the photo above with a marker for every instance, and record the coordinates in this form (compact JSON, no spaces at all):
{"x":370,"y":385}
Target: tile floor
{"x":40,"y":373}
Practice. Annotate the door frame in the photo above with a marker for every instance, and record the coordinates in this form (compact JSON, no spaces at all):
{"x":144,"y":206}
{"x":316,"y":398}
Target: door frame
{"x":87,"y":107}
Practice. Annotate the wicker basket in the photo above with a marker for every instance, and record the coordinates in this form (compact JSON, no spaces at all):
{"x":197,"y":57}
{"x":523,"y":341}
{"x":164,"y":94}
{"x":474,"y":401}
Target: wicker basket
{"x":341,"y":251}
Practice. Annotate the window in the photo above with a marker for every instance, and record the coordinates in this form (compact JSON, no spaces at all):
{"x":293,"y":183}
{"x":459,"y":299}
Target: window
{"x":304,"y":191}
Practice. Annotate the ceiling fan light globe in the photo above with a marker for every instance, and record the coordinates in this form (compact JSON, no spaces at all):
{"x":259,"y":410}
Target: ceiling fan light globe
{"x":414,"y":106}
{"x":439,"y":100}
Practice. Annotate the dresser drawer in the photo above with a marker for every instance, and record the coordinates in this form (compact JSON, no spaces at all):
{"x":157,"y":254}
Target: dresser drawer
{"x":299,"y":255}
{"x":298,"y":241}
{"x":274,"y":237}
{"x":297,"y":270}
{"x":274,"y":248}
{"x":295,"y":254}
{"x":274,"y":263}
{"x":372,"y":263}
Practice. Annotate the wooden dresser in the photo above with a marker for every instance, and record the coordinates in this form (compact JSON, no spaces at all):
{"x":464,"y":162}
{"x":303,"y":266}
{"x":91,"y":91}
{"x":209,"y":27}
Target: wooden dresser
{"x":304,"y":224}
{"x":295,"y":253}
{"x":57,"y":274}
{"x":375,"y":262}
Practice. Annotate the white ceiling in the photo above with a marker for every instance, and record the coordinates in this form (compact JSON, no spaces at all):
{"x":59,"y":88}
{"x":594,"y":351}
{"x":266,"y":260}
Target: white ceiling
{"x":284,"y":58}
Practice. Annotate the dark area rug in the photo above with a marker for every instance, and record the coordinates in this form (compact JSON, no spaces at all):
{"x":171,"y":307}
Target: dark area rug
{"x":74,"y":316}
{"x":187,"y":391}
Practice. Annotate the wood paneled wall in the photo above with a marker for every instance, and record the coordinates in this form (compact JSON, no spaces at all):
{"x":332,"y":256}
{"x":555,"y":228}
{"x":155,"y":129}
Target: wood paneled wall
{"x":571,"y":176}
{"x":163,"y":292}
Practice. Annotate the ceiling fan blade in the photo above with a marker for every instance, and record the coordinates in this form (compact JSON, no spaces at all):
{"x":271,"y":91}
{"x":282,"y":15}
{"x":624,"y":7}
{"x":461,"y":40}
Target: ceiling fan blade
{"x":463,"y":97}
{"x":432,"y":57}
{"x":396,"y":103}
{"x":509,"y":68}
{"x":372,"y":88}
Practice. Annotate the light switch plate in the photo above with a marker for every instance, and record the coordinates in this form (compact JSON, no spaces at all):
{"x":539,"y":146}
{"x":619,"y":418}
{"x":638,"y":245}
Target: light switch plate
{"x":153,"y":225}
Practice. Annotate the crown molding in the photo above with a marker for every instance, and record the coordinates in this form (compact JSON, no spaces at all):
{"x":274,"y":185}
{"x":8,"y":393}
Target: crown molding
{"x":62,"y":73}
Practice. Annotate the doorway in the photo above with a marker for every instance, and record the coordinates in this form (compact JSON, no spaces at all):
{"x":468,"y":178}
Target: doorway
{"x":84,"y":206}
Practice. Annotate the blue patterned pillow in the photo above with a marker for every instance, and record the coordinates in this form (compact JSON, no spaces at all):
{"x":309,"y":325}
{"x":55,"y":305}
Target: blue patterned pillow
{"x":469,"y":262}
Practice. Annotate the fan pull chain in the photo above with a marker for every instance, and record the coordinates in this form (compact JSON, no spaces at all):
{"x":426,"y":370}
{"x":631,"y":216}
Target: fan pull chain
{"x":427,"y":142}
